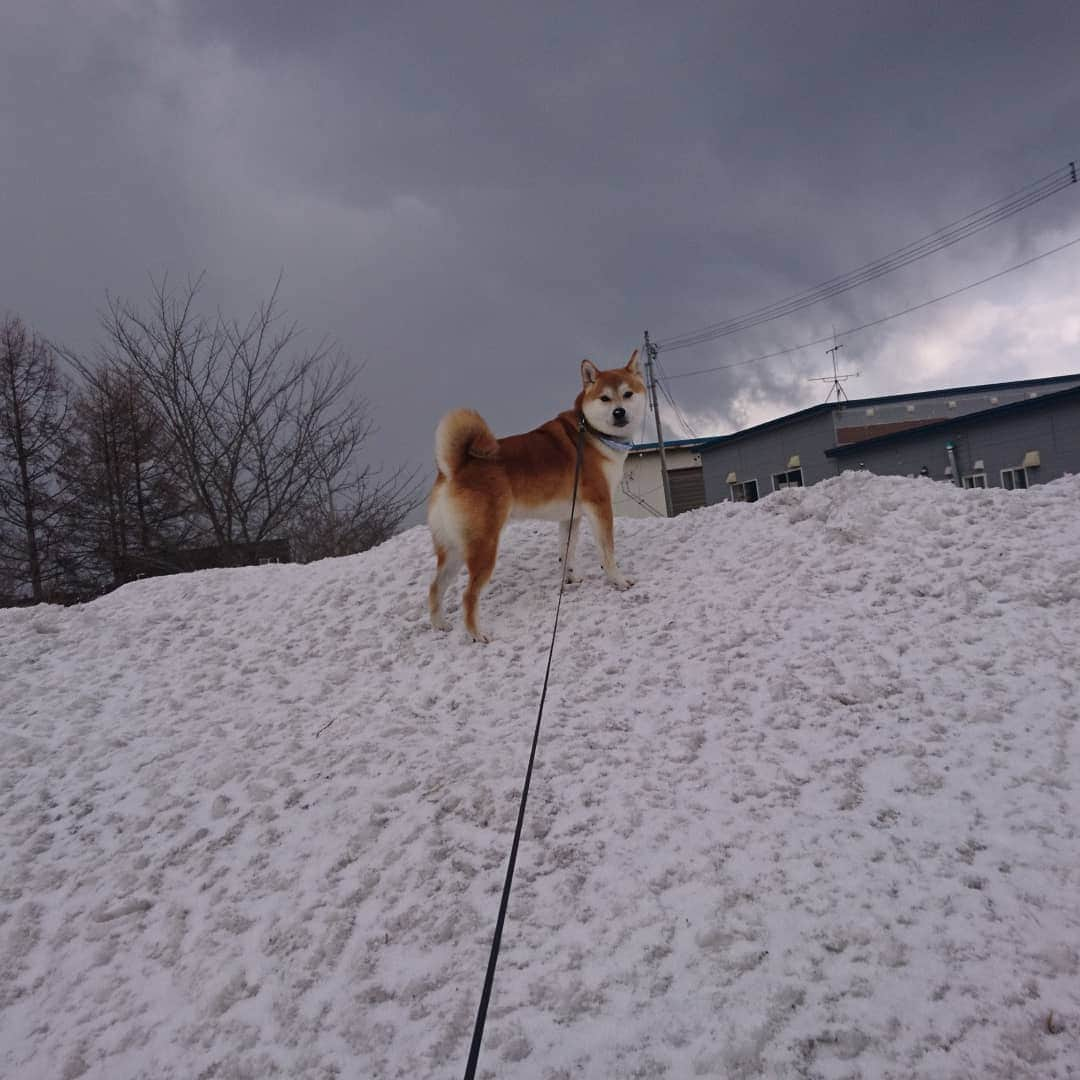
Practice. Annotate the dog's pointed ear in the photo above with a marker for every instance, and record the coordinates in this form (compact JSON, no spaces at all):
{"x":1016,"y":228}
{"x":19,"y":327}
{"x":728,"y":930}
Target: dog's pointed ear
{"x":589,"y":373}
{"x":632,"y":367}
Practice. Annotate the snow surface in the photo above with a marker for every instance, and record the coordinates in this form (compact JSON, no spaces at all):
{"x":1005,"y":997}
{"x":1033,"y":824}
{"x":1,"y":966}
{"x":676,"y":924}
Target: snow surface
{"x":806,"y":805}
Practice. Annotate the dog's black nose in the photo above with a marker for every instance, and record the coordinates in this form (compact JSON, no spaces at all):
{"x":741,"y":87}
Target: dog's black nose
{"x":619,"y":413}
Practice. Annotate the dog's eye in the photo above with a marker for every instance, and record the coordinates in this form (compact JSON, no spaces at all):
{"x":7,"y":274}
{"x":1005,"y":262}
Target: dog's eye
{"x":628,"y":395}
{"x":604,"y":397}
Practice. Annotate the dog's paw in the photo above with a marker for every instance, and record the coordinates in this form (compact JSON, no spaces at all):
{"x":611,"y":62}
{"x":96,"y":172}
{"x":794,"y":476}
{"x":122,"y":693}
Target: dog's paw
{"x":440,"y":622}
{"x":480,"y":637}
{"x":622,"y":583}
{"x":570,"y":578}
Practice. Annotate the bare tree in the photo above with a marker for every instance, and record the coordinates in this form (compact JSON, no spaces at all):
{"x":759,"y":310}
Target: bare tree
{"x":33,"y":409}
{"x":259,"y":426}
{"x":127,"y":504}
{"x":355,"y":515}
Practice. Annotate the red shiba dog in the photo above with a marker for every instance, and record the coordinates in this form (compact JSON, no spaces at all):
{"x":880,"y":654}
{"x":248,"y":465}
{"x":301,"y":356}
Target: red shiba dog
{"x":484,"y":481}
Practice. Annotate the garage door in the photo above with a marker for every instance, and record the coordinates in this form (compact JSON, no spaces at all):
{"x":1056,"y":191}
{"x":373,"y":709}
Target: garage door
{"x":687,"y":489}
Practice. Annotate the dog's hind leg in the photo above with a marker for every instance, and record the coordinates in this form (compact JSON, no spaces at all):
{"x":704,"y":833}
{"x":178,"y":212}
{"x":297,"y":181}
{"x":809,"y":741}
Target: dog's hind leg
{"x":480,"y":560}
{"x":566,"y":550}
{"x":448,"y":564}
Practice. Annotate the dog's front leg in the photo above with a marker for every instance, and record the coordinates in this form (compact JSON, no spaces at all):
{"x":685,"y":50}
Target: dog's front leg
{"x":567,"y":544}
{"x":603,"y":526}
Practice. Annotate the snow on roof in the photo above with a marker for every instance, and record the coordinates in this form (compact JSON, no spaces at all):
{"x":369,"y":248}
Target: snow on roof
{"x":806,"y":803}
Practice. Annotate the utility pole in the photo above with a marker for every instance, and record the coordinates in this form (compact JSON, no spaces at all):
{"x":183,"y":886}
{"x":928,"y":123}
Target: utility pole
{"x":650,"y":355}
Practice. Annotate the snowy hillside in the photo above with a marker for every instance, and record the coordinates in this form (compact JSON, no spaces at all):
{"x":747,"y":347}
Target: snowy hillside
{"x":807,"y":804}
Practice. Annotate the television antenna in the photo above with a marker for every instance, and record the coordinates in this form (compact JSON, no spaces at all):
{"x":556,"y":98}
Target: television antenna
{"x":837,"y":379}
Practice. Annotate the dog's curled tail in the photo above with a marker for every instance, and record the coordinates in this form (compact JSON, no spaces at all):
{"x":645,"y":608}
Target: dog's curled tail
{"x":462,"y":434}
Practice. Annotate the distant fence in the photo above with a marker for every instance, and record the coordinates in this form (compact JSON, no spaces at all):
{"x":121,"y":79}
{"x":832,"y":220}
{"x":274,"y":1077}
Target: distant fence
{"x":215,"y":557}
{"x":157,"y":563}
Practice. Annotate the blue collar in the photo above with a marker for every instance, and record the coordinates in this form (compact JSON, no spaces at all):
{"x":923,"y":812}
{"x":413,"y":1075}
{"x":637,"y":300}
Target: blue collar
{"x":624,"y":446}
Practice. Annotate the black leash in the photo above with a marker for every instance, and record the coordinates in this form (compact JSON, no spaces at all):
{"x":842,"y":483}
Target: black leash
{"x":489,"y":979}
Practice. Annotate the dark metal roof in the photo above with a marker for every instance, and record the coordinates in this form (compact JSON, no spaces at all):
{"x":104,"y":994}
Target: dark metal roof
{"x":779,"y":421}
{"x":715,"y":440}
{"x":862,"y":403}
{"x":1016,"y":384}
{"x":964,"y":420}
{"x":677,"y":443}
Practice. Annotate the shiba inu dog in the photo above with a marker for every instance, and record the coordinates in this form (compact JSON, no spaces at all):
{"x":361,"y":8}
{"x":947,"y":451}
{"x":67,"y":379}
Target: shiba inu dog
{"x":484,"y":481}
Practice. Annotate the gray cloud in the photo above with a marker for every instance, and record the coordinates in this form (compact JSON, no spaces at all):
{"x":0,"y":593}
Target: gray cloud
{"x":470,"y":197}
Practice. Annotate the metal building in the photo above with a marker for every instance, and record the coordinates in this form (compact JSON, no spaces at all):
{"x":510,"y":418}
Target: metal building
{"x":993,"y":435}
{"x":1009,"y":434}
{"x":1011,"y":446}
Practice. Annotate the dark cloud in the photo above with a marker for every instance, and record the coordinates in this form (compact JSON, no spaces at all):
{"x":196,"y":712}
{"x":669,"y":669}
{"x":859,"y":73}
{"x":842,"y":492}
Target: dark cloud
{"x":470,"y":197}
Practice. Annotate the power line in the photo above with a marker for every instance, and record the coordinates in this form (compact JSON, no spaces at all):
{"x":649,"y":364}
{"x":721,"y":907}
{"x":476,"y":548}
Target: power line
{"x":671,"y":401}
{"x":650,"y":357}
{"x":625,"y":488}
{"x":876,"y":322}
{"x":961,"y":229}
{"x":919,"y":249}
{"x":678,"y":412}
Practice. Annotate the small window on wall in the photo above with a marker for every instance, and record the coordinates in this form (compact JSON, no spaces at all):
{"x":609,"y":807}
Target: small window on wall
{"x":975,"y":480}
{"x":1014,"y":479}
{"x":744,"y":492}
{"x":791,"y":478}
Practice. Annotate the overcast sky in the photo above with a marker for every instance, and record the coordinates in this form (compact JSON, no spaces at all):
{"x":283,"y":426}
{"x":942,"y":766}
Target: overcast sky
{"x":472,"y":197}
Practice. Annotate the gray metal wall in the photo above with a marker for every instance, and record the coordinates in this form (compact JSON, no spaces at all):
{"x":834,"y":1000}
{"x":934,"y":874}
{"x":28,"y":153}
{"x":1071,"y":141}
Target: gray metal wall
{"x":758,"y":456}
{"x":999,"y":442}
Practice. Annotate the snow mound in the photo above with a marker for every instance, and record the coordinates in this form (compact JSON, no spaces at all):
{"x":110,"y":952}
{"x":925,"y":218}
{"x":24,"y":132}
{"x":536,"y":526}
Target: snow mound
{"x":806,"y":805}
